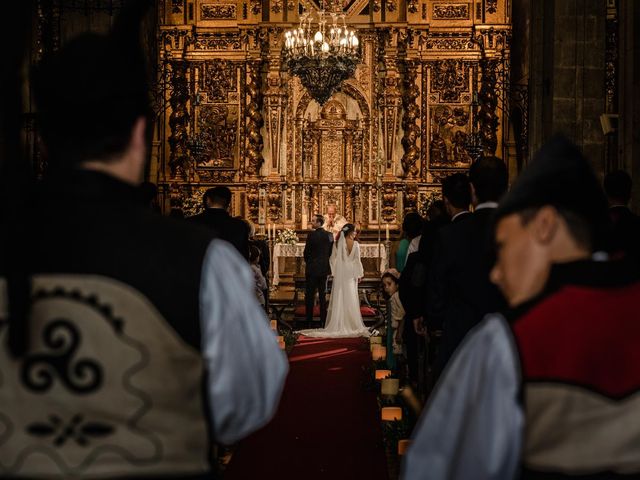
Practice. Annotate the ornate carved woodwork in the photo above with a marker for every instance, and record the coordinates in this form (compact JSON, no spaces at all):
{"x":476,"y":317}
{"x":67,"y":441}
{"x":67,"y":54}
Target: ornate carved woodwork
{"x":218,"y":11}
{"x":409,"y":102}
{"x":492,"y":6}
{"x":389,"y":197}
{"x":410,"y":122}
{"x":487,"y":115}
{"x":254,"y":119}
{"x":179,"y":162}
{"x":447,"y":11}
{"x":274,"y":202}
{"x":449,"y":80}
{"x":219,"y":126}
{"x":253,"y":202}
{"x":520,"y":119}
{"x":219,"y":80}
{"x":410,"y":198}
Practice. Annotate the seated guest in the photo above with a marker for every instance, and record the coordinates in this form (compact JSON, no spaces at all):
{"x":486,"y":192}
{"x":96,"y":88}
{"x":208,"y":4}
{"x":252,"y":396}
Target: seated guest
{"x":550,"y":390}
{"x":129,"y":342}
{"x":625,"y":233}
{"x":216,"y":215}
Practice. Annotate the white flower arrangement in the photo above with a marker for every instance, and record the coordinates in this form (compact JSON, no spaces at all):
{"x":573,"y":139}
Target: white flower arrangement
{"x":287,"y":237}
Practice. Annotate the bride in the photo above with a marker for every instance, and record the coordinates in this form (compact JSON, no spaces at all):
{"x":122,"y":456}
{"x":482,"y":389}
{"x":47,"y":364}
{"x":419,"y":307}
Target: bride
{"x":344,"y":318}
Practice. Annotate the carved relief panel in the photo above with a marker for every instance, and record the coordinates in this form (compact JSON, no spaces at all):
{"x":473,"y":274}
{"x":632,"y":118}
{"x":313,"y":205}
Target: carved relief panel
{"x":449,"y":86}
{"x":218,"y":114}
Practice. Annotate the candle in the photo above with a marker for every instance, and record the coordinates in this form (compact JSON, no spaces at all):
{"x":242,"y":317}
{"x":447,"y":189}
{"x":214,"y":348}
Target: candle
{"x":375,"y":340}
{"x":274,"y":325}
{"x":387,"y":231}
{"x":382,"y":374}
{"x":379,"y":353}
{"x":391,"y":413}
{"x":282,"y":345}
{"x":403,"y":445}
{"x":390,"y":386}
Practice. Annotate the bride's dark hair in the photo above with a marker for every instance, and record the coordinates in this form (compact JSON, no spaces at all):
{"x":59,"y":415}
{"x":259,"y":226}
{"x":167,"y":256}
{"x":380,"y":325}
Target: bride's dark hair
{"x":346,"y":230}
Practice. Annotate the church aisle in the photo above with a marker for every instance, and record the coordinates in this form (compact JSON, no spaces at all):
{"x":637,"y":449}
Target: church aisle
{"x":327,"y":425}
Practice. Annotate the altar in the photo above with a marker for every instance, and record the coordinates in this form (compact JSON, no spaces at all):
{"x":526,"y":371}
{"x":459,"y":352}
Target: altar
{"x":367,"y":250}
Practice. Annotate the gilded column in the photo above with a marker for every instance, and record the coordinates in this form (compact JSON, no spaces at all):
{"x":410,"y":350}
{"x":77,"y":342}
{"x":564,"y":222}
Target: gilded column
{"x":254,"y":118}
{"x":179,"y":121}
{"x":487,"y":115}
{"x":410,"y":121}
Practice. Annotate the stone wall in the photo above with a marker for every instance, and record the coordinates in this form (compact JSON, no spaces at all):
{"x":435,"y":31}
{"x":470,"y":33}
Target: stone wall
{"x":629,"y":98}
{"x":567,"y":55}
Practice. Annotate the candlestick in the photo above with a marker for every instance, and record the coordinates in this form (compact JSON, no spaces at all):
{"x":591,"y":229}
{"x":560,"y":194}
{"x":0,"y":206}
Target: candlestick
{"x":387,"y":231}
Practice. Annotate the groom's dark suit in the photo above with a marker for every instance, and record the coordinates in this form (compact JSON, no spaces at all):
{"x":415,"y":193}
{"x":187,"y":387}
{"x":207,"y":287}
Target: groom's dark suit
{"x":317,"y":251}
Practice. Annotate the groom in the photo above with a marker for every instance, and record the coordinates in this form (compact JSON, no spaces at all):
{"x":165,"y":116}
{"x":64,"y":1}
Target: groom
{"x":317,"y":251}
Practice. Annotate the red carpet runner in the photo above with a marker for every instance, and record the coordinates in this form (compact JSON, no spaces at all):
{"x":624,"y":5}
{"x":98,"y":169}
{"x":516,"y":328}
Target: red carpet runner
{"x":326,"y":427}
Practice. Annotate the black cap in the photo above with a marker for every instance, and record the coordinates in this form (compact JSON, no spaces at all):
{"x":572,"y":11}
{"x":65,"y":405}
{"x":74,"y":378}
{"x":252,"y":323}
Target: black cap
{"x":559,"y":175}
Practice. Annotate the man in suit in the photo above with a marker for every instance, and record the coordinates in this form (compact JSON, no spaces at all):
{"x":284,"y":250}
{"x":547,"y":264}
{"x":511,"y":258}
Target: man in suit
{"x":317,"y":251}
{"x":459,"y":290}
{"x":216,"y":215}
{"x":625,"y":233}
{"x":456,"y":194}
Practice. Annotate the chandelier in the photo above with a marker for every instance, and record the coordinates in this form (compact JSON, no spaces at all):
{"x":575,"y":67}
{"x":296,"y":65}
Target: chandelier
{"x":322,"y":55}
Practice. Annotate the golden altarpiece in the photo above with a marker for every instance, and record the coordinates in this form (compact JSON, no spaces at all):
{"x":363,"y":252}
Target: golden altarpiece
{"x":430,"y":92}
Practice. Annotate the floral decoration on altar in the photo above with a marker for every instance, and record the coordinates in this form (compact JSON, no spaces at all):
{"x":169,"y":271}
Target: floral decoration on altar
{"x":287,"y":237}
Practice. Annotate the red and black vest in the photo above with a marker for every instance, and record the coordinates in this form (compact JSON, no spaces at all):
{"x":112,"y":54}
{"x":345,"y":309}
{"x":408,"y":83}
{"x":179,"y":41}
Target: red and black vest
{"x":580,"y":357}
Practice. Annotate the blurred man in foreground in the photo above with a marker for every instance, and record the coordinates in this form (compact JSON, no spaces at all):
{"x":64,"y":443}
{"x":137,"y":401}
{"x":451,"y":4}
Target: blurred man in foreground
{"x":550,"y":389}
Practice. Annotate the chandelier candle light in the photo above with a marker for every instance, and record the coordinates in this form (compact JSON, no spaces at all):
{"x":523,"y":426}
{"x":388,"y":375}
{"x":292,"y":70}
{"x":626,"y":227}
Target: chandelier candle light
{"x":322,"y":55}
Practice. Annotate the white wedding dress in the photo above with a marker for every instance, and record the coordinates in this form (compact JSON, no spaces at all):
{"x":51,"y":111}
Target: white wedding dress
{"x":343,"y":316}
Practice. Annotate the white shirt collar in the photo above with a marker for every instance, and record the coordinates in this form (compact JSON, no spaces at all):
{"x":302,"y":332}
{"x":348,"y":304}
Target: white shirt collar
{"x":482,"y":205}
{"x":458,"y":214}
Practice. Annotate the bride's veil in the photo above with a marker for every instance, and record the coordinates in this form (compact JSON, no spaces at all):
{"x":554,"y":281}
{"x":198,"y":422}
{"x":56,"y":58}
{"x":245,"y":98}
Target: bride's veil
{"x":340,"y":260}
